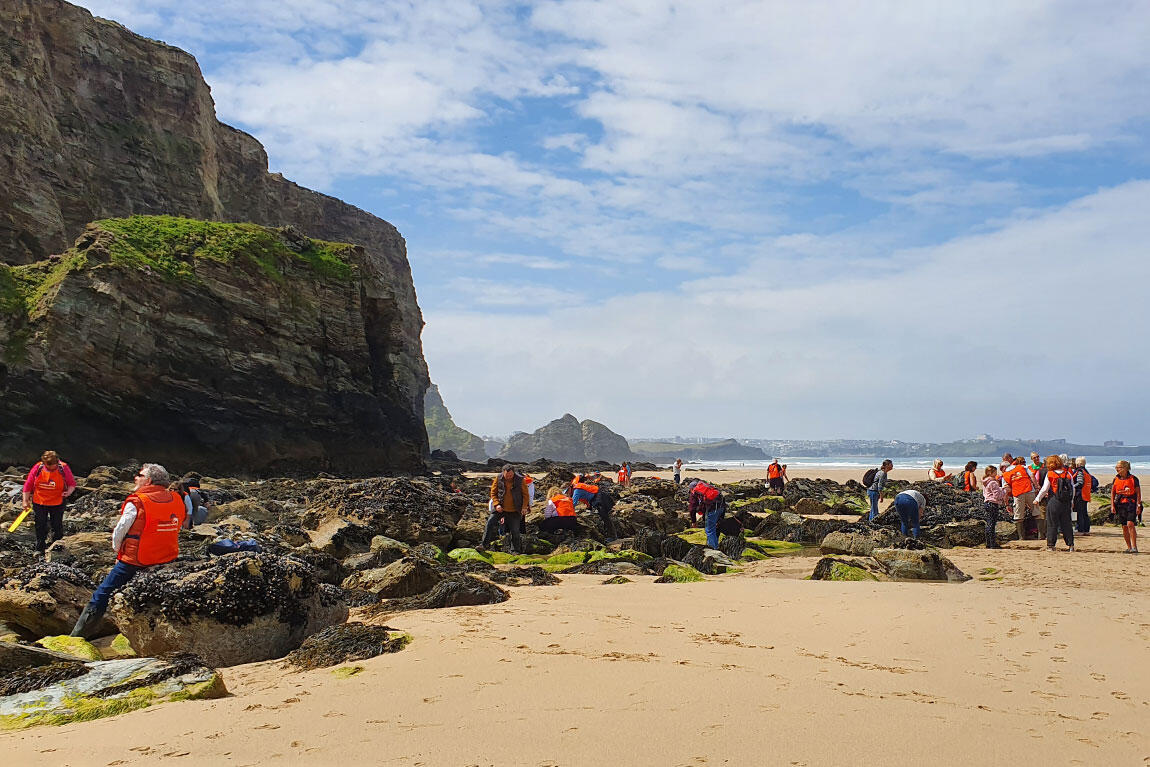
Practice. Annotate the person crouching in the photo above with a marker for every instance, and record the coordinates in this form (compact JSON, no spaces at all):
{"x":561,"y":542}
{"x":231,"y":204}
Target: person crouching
{"x":709,"y":502}
{"x":147,"y":534}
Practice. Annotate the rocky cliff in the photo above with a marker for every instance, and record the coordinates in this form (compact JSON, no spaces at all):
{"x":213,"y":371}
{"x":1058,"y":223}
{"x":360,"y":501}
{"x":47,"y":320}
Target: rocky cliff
{"x":97,"y":122}
{"x":443,"y":434}
{"x":568,"y":439}
{"x":198,"y":344}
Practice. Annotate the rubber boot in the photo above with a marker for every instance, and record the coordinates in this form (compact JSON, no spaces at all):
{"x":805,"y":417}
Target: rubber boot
{"x":87,"y":621}
{"x":1021,"y":528}
{"x":1042,"y":529}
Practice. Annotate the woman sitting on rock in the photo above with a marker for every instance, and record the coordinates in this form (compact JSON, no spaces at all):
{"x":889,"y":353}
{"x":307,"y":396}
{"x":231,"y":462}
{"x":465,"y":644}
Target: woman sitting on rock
{"x":559,"y":513}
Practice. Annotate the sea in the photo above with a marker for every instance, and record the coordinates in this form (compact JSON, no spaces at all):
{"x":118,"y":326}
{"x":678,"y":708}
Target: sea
{"x":1140,"y":465}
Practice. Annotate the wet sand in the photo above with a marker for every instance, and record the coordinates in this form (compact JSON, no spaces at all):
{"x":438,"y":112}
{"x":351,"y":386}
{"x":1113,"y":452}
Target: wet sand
{"x":1037,"y":662}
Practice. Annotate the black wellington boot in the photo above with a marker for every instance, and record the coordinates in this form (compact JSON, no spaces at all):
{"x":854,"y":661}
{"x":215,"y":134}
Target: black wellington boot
{"x":87,"y":621}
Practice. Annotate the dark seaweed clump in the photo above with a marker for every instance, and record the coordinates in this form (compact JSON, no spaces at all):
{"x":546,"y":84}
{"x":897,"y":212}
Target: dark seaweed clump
{"x":454,"y":591}
{"x":515,"y":576}
{"x":177,"y":664}
{"x":44,"y":575}
{"x":343,"y":643}
{"x":39,"y":677}
{"x":233,"y":590}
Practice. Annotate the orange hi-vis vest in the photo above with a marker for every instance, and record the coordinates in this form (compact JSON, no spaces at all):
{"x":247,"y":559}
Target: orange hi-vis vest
{"x":939,"y":473}
{"x":622,"y":475}
{"x":564,"y":507}
{"x":48,"y":487}
{"x":1019,"y":479}
{"x":1124,"y":489}
{"x":968,"y":480}
{"x":586,"y":487}
{"x":154,"y":537}
{"x":774,"y":471}
{"x":1086,"y":485}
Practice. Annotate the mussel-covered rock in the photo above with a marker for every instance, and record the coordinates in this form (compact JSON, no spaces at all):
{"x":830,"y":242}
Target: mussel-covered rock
{"x":918,"y":564}
{"x":345,"y":643}
{"x":402,"y":578}
{"x":403,"y":509}
{"x":90,"y":553}
{"x":453,"y":591}
{"x":238,"y":608}
{"x":45,"y":599}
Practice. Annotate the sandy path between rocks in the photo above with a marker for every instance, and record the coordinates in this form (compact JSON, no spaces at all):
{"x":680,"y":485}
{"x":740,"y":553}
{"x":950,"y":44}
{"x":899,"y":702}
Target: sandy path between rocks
{"x":1041,"y":667}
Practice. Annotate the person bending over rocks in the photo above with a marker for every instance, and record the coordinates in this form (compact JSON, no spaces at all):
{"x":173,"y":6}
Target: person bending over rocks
{"x":874,"y":491}
{"x":147,"y":534}
{"x":49,"y":482}
{"x":705,"y":500}
{"x":910,"y":504}
{"x":510,"y":500}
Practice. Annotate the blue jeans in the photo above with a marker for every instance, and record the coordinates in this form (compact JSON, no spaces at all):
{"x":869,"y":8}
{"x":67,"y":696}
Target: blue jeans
{"x":873,"y":495}
{"x":582,"y":495}
{"x":711,"y":525}
{"x":121,"y":574}
{"x":907,"y":509}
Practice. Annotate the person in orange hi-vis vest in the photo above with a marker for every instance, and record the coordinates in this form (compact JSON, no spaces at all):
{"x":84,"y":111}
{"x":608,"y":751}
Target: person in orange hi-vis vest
{"x":147,"y":534}
{"x":1126,"y":501}
{"x":1060,"y":504}
{"x":48,"y":484}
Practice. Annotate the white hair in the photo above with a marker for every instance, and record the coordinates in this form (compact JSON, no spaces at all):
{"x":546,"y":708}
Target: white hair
{"x":156,"y":474}
{"x":1065,"y":459}
{"x":1080,"y":461}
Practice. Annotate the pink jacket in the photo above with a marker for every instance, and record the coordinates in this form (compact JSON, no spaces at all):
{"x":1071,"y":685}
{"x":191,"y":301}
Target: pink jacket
{"x":30,"y":483}
{"x":992,"y":491}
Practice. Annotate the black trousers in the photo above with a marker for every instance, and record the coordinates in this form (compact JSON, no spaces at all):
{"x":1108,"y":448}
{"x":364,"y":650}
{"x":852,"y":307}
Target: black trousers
{"x":1083,"y":523}
{"x":43,"y":516}
{"x":553,"y":524}
{"x":1058,"y":518}
{"x":991,"y":510}
{"x":513,"y":520}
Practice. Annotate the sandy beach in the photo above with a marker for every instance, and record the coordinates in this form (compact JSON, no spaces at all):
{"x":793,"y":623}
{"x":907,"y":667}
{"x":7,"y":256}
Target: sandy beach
{"x":1036,"y":661}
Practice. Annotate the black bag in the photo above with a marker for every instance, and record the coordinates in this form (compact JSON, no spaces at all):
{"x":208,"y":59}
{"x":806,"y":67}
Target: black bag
{"x":868,"y":478}
{"x":1063,"y":489}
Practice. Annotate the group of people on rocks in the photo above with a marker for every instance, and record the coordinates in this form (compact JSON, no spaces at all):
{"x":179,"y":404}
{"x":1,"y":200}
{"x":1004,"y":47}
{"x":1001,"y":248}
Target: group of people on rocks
{"x":146,"y":534}
{"x":1053,"y":492}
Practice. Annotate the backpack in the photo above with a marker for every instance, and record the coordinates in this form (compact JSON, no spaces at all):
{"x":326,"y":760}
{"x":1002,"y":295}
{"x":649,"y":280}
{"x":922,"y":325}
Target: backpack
{"x":227,"y":546}
{"x":1063,"y":489}
{"x":868,"y":478}
{"x":1093,"y":484}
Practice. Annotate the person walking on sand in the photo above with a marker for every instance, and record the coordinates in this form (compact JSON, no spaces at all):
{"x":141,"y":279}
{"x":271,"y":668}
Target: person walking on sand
{"x":1083,"y":487}
{"x":993,"y":499}
{"x":1126,"y":501}
{"x":678,"y":469}
{"x":48,"y":483}
{"x":1020,"y":487}
{"x":910,"y":504}
{"x":147,"y":534}
{"x":775,"y":477}
{"x":510,"y":501}
{"x":706,"y":500}
{"x":874,"y":490}
{"x":1058,"y":487}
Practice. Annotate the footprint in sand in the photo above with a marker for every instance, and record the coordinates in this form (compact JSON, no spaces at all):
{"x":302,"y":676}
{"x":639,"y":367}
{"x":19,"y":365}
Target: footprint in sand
{"x":1013,"y":633}
{"x":1097,"y":677}
{"x":1120,"y":695}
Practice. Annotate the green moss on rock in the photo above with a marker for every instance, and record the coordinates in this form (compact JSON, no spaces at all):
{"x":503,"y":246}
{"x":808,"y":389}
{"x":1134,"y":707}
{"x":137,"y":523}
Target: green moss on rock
{"x":76,"y":647}
{"x":464,"y":554}
{"x":680,"y":574}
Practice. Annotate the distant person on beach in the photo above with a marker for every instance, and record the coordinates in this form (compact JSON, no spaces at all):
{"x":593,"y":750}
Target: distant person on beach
{"x":1058,"y":491}
{"x":969,"y":482}
{"x":705,"y":500}
{"x":993,"y":499}
{"x":1083,"y":487}
{"x":1126,"y":501}
{"x":511,"y":502}
{"x":910,"y":504}
{"x":936,"y":473}
{"x":874,"y":490}
{"x":195,"y":505}
{"x":48,"y":483}
{"x":775,"y":477}
{"x":678,"y":469}
{"x":1020,"y":487}
{"x":147,"y":534}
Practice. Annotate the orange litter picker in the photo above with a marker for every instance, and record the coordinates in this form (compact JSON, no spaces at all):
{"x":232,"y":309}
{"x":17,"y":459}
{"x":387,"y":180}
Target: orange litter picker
{"x":19,"y":519}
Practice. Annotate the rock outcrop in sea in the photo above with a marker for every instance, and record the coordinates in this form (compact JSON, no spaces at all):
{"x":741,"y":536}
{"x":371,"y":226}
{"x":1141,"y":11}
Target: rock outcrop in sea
{"x":293,"y":345}
{"x":443,"y":434}
{"x":568,"y":439}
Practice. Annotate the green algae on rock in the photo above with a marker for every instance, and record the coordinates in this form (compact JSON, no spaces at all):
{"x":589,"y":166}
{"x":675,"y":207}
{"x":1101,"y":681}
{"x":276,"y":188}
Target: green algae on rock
{"x":106,"y":688}
{"x":833,"y":569}
{"x":77,"y":647}
{"x":680,"y":574}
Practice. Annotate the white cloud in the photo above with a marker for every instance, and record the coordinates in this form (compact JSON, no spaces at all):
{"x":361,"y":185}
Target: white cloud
{"x":1008,"y":331}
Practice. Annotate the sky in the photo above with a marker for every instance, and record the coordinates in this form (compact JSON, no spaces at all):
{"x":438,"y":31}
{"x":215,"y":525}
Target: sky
{"x":895,"y":220}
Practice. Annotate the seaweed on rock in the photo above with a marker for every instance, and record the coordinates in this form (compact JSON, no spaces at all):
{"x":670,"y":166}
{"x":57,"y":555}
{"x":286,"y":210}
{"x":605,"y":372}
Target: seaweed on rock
{"x":515,"y":576}
{"x":454,"y":591}
{"x":39,"y":677}
{"x":344,"y":643}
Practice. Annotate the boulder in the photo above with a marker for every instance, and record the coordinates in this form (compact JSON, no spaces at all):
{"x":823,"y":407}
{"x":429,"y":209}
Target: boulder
{"x":345,"y":643}
{"x":966,"y":532}
{"x":860,"y":541}
{"x":75,"y":647}
{"x":918,"y":564}
{"x":636,"y":512}
{"x":236,"y":609}
{"x":90,"y":552}
{"x":809,"y":506}
{"x":114,"y":647}
{"x":248,"y":509}
{"x":72,"y":692}
{"x":844,"y":569}
{"x":15,"y":656}
{"x":402,"y":578}
{"x":454,"y":591}
{"x":407,"y":510}
{"x":341,"y":538}
{"x":45,"y":599}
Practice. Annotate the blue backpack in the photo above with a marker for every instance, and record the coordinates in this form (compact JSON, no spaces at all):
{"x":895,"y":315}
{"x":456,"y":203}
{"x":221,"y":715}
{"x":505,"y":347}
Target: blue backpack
{"x":228,"y":546}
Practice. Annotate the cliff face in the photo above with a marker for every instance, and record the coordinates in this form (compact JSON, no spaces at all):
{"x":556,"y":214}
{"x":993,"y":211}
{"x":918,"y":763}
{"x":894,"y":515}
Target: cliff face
{"x":568,"y":439}
{"x":222,"y":347}
{"x":443,"y":434}
{"x":98,"y":122}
